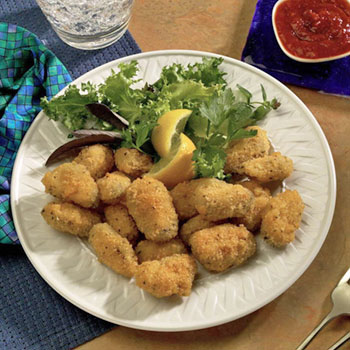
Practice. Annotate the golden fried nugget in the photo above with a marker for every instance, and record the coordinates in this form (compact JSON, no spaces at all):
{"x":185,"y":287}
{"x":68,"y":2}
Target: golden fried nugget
{"x":194,"y":224}
{"x":72,"y":182}
{"x":98,"y":159}
{"x":112,"y":187}
{"x":118,"y":218}
{"x":132,"y":162}
{"x":69,"y":218}
{"x":183,"y":194}
{"x":151,"y":206}
{"x":219,"y":247}
{"x":252,"y":218}
{"x":269,"y":168}
{"x":113,"y":250}
{"x":256,"y":188}
{"x":242,"y":150}
{"x":149,"y":250}
{"x":171,"y":275}
{"x":281,"y":218}
{"x":123,"y":200}
{"x":216,"y":200}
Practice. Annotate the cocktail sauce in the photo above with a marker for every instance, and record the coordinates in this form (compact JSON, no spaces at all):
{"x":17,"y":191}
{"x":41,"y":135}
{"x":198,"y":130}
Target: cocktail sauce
{"x":314,"y":29}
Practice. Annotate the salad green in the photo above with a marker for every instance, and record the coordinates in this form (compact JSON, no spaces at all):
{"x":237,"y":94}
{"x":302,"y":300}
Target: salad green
{"x":219,"y":113}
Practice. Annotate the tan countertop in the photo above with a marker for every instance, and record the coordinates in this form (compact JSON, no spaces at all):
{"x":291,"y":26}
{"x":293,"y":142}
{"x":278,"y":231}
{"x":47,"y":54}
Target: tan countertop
{"x":222,"y":27}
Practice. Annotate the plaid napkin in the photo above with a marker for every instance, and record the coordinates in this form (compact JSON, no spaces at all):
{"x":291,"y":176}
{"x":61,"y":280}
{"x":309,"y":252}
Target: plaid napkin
{"x":28,"y":71}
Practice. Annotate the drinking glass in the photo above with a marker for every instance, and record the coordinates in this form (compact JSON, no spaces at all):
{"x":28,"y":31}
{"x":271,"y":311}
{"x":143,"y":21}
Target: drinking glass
{"x":88,"y":24}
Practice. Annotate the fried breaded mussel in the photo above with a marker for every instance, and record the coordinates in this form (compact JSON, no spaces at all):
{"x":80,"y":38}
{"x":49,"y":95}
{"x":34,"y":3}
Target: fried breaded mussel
{"x":239,"y":151}
{"x":98,"y":159}
{"x":274,"y":167}
{"x":72,"y":182}
{"x":219,"y":247}
{"x":151,"y":206}
{"x":112,"y":187}
{"x":113,"y":250}
{"x":252,"y":218}
{"x":216,"y":200}
{"x":132,"y":162}
{"x":118,"y":218}
{"x":70,"y":218}
{"x":168,"y":276}
{"x":183,"y":195}
{"x":194,"y":224}
{"x":281,"y":218}
{"x":149,"y":250}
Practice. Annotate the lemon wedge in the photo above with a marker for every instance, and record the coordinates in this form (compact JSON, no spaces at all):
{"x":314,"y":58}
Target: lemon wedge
{"x":170,"y":126}
{"x":178,"y":165}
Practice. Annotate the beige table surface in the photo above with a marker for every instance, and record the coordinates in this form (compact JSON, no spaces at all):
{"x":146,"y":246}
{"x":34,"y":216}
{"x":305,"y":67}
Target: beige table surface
{"x":222,"y":27}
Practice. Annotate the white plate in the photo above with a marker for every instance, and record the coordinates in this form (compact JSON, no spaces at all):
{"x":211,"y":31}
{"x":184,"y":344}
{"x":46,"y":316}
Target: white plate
{"x":69,"y":266}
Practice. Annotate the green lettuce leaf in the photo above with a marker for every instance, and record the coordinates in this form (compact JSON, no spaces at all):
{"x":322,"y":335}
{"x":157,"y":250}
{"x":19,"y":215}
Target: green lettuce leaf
{"x":117,"y":89}
{"x":70,"y":109}
{"x":206,"y":72}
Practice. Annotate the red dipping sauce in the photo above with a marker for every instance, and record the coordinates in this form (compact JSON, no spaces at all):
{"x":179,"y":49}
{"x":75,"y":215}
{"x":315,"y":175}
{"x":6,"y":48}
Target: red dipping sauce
{"x":313,"y":29}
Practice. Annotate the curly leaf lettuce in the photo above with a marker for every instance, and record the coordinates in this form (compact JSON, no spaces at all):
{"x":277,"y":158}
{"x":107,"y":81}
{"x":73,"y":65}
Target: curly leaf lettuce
{"x":219,"y":114}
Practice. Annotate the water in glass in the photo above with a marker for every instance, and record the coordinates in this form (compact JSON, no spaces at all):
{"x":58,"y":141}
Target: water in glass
{"x":88,"y":24}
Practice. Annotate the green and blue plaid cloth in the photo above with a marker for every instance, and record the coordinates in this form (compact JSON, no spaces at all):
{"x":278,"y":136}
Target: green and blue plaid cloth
{"x":28,"y":71}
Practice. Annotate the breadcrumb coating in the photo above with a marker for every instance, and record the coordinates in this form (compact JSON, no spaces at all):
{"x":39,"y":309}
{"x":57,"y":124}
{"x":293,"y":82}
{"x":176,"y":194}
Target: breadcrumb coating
{"x":171,"y":275}
{"x":281,"y":218}
{"x":117,"y":216}
{"x":242,"y":150}
{"x":220,"y":247}
{"x":151,"y":206}
{"x":252,"y":218}
{"x":69,"y":218}
{"x":269,"y":168}
{"x":216,"y":200}
{"x":194,"y":224}
{"x":72,"y":182}
{"x":113,"y":250}
{"x":112,"y":187}
{"x":256,"y":188}
{"x":98,"y":159}
{"x":183,"y":195}
{"x":132,"y":162}
{"x":149,"y":250}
